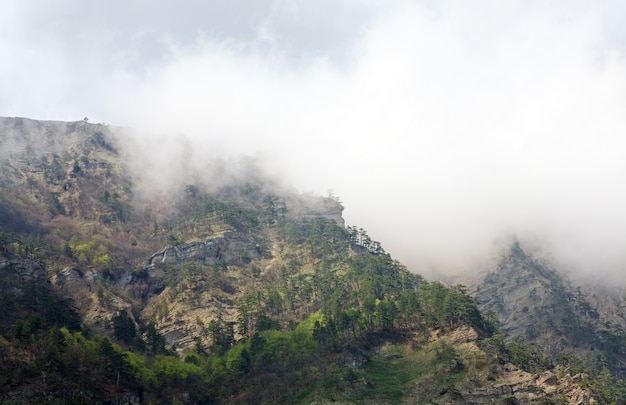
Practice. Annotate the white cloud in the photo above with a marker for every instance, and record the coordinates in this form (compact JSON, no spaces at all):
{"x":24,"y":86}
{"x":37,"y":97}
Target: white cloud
{"x":442,"y":125}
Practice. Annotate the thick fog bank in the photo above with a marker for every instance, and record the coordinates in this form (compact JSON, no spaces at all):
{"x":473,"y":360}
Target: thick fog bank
{"x":445,"y":127}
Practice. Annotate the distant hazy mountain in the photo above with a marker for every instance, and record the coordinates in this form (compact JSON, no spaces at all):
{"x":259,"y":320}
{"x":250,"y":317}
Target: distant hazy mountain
{"x":535,"y":303}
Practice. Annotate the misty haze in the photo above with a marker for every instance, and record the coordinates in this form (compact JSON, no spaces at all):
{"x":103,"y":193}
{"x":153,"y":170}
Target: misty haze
{"x":442,"y":128}
{"x":474,"y":142}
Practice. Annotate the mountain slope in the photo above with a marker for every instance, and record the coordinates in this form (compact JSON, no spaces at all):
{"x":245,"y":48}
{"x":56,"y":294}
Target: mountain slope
{"x":536,"y":304}
{"x":227,"y":288}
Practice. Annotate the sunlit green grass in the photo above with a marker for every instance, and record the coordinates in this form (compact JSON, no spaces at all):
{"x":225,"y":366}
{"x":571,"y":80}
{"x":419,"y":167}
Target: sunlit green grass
{"x":393,"y":374}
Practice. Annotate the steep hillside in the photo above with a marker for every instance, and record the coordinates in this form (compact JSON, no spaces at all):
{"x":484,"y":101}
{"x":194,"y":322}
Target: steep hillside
{"x":230,"y":289}
{"x":68,"y":199}
{"x":537,"y":304}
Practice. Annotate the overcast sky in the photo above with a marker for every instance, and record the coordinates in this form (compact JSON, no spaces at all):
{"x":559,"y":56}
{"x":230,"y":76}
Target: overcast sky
{"x":444,"y":126}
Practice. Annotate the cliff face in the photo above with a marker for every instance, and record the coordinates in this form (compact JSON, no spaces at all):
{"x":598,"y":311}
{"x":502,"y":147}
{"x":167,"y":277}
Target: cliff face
{"x":527,"y":297}
{"x":520,"y":387}
{"x":536,"y":304}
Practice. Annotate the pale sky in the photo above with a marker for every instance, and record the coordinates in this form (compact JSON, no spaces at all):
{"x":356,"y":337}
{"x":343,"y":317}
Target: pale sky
{"x":443,"y":126}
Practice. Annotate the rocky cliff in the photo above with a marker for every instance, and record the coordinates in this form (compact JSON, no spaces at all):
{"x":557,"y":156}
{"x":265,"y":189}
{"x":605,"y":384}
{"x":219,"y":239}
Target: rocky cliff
{"x":537,"y":304}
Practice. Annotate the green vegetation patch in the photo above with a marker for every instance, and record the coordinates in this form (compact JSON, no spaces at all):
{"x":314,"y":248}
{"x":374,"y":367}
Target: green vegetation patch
{"x":393,"y":374}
